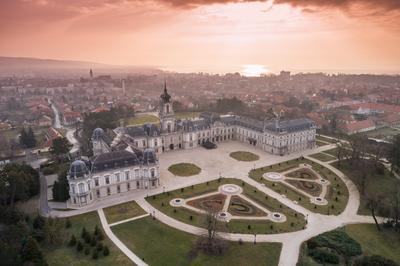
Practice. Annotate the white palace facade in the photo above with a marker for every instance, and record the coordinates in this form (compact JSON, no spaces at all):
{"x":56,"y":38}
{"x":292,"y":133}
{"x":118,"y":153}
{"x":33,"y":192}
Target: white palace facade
{"x":128,"y":160}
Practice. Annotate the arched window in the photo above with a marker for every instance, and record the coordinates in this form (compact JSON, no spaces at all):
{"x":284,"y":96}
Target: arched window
{"x":153,"y":173}
{"x":167,"y":108}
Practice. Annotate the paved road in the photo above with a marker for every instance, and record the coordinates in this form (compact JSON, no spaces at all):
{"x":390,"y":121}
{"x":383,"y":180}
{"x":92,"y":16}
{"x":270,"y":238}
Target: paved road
{"x":57,"y":123}
{"x":71,"y":138}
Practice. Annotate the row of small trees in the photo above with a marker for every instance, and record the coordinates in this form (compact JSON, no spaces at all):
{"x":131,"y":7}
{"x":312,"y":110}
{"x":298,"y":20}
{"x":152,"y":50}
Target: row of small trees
{"x":90,"y":243}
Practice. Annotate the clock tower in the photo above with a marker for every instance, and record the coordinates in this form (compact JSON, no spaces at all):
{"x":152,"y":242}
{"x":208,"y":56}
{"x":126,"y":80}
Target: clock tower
{"x":166,"y":112}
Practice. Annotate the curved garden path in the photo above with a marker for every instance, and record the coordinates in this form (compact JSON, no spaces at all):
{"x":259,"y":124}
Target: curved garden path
{"x":291,"y":242}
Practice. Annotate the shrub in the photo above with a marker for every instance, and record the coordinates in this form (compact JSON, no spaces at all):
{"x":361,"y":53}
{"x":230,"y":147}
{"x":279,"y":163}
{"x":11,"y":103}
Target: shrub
{"x":95,"y":254}
{"x":68,"y":223}
{"x":88,"y":238}
{"x":72,"y":241}
{"x":99,"y":246}
{"x":93,"y":242}
{"x":339,"y":241}
{"x":87,"y":250}
{"x":106,"y":251}
{"x":324,"y":256}
{"x":79,"y":246}
{"x":96,"y":230}
{"x":240,"y":241}
{"x":83,"y":233}
{"x":100,"y":236}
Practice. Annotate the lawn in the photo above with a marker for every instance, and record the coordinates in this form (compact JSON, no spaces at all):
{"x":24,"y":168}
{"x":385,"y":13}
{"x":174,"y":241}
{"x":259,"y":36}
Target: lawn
{"x":385,"y":133}
{"x":64,"y":255}
{"x":244,"y":156}
{"x":159,"y":244}
{"x":140,"y":119}
{"x":322,"y":138}
{"x":322,"y":157}
{"x":373,"y":242}
{"x":295,"y":221}
{"x":184,"y":169}
{"x":186,"y":115}
{"x":337,"y":194}
{"x":320,"y":143}
{"x":380,"y":187}
{"x":332,"y":152}
{"x":123,"y":211}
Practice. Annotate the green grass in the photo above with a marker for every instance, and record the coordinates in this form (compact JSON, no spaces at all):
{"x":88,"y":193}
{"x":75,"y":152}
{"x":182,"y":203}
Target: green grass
{"x":159,"y":244}
{"x":186,"y":115}
{"x":373,"y":242}
{"x":244,"y":156}
{"x":140,"y":119}
{"x":320,"y":143}
{"x":295,"y":221}
{"x":184,"y":169}
{"x":322,"y":157}
{"x":380,"y":187}
{"x":385,"y":133}
{"x":322,"y":138}
{"x":123,"y":211}
{"x":64,"y":255}
{"x":332,"y":152}
{"x":336,"y":189}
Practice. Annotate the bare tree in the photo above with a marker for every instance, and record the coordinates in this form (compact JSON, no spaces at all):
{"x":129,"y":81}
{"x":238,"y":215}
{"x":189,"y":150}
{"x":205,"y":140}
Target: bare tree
{"x":373,"y":205}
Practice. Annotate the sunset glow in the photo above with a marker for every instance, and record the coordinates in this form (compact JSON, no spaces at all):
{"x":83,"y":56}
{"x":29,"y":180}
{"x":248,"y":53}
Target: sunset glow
{"x":208,"y":36}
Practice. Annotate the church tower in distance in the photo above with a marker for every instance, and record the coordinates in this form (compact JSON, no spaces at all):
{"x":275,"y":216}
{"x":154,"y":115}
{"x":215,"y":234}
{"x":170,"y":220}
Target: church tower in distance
{"x":166,"y":112}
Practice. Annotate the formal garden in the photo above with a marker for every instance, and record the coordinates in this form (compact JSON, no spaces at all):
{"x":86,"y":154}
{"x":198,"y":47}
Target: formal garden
{"x":184,"y":169}
{"x":184,"y":205}
{"x":244,"y":156}
{"x":306,"y":183}
{"x":158,"y":244}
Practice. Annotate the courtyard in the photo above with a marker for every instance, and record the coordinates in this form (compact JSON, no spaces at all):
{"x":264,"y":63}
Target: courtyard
{"x":256,"y":199}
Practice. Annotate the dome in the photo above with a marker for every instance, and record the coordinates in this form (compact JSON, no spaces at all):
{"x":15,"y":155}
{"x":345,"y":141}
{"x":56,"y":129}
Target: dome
{"x":98,"y":133}
{"x":149,"y":156}
{"x":78,"y":169}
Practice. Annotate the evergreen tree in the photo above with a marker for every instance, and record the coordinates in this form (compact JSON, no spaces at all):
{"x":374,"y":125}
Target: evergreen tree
{"x":79,"y":246}
{"x":72,"y":241}
{"x":31,"y":252}
{"x":106,"y":251}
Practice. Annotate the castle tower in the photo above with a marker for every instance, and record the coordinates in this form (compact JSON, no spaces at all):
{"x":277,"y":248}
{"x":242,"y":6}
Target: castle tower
{"x":166,"y":112}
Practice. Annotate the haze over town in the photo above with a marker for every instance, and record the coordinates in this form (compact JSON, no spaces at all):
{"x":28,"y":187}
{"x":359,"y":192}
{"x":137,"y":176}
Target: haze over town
{"x":200,"y":132}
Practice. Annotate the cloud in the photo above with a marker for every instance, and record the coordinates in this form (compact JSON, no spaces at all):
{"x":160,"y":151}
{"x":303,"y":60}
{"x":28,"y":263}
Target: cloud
{"x":345,"y":5}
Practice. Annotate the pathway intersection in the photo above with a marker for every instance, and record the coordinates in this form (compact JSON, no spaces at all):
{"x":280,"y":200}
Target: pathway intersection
{"x":217,"y":163}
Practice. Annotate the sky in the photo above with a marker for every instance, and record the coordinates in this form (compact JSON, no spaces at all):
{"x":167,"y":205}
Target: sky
{"x":216,"y":36}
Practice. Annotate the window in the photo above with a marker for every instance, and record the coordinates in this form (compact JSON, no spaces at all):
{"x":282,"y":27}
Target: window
{"x":155,"y":142}
{"x":129,"y":186}
{"x":136,"y":173}
{"x":98,"y":193}
{"x":81,"y":188}
{"x":118,"y":189}
{"x":153,"y":173}
{"x":143,"y":143}
{"x":117,"y":177}
{"x":127,"y":175}
{"x":107,"y":179}
{"x":137,"y":184}
{"x":153,"y":183}
{"x":108,"y":191}
{"x":96,"y":182}
{"x":73,"y":189}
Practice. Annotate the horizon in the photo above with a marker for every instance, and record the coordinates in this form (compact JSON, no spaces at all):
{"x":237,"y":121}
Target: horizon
{"x":216,"y":36}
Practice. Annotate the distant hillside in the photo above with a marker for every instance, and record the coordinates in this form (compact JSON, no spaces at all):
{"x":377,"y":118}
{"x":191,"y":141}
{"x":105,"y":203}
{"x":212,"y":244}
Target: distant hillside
{"x":42,"y":67}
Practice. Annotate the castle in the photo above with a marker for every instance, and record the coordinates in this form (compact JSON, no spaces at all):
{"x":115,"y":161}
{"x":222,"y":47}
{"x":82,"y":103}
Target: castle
{"x":128,"y":161}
